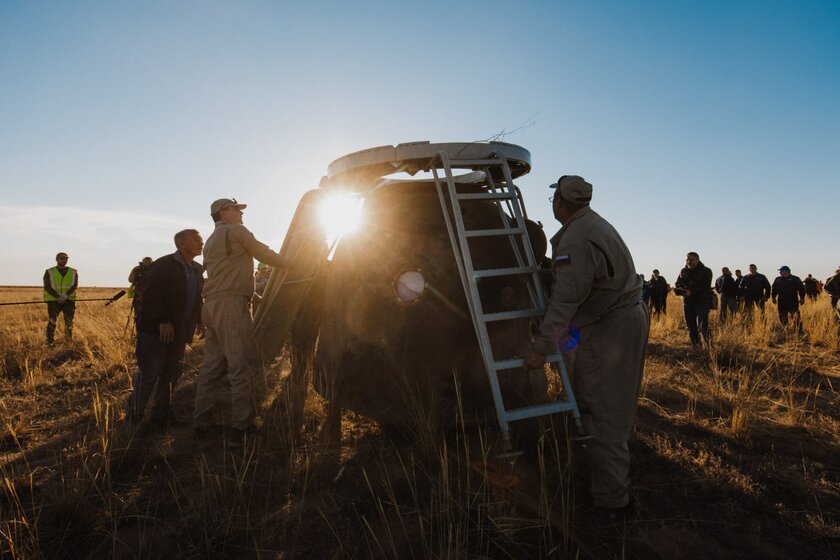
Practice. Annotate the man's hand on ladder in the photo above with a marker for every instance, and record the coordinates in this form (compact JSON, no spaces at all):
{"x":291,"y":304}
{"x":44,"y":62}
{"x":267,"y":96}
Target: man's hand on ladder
{"x":533,"y":359}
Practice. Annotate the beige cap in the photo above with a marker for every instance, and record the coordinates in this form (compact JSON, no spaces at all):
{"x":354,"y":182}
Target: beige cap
{"x":222,"y":203}
{"x":574,"y":188}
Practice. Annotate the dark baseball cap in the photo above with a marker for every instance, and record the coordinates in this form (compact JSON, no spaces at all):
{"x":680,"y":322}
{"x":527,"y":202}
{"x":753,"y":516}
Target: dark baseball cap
{"x":784,"y":268}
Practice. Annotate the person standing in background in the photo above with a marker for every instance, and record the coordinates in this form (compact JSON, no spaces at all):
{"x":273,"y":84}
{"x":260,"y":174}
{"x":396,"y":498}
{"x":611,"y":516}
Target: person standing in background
{"x":136,"y":278}
{"x":756,"y":291}
{"x":727,"y":288}
{"x":788,"y":294}
{"x":60,"y":284}
{"x":694,"y":284}
{"x":659,"y":289}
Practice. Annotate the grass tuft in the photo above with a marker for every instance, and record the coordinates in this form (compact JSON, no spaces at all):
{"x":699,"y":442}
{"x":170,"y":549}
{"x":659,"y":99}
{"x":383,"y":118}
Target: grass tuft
{"x":747,"y":429}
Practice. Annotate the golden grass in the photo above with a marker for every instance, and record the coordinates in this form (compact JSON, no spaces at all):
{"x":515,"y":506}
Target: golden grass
{"x":735,"y":455}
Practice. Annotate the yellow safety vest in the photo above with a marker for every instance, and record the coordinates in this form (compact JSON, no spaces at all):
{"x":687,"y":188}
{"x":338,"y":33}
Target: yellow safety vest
{"x":61,"y":284}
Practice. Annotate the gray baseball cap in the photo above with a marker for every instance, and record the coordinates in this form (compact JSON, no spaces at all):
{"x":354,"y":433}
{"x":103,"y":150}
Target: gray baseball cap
{"x":222,"y":203}
{"x":574,"y":188}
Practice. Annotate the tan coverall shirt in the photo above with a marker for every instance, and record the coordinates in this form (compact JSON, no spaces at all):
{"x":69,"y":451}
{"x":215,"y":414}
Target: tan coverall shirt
{"x":596,"y":290}
{"x":230,"y":348}
{"x":594,"y":274}
{"x":229,"y":255}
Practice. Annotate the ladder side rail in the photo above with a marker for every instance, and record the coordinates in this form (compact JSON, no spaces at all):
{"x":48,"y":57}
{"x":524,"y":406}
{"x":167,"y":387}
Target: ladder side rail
{"x":519,"y":215}
{"x":567,"y":388}
{"x":533,"y":293}
{"x":518,"y":205}
{"x":472,"y":294}
{"x":503,"y":216}
{"x":535,"y":286}
{"x":559,"y":364}
{"x":521,"y":201}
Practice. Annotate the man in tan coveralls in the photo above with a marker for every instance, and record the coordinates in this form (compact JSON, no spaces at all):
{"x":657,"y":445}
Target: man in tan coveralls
{"x":596,"y":298}
{"x":230,"y":347}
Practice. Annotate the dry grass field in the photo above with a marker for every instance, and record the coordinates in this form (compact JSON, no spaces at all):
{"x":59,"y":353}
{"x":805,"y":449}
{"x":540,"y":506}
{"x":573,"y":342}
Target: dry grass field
{"x":736,"y":455}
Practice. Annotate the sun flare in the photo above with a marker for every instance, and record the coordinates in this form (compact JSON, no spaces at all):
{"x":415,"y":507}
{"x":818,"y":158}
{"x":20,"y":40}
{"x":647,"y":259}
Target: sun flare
{"x":340,"y":215}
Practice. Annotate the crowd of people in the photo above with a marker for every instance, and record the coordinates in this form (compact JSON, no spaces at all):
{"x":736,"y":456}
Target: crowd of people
{"x":598,"y":305}
{"x":172,"y":301}
{"x":736,"y":294}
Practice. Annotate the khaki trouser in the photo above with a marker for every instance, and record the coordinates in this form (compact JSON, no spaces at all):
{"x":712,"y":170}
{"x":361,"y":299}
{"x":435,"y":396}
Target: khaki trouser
{"x":607,"y":377}
{"x":229,"y":349}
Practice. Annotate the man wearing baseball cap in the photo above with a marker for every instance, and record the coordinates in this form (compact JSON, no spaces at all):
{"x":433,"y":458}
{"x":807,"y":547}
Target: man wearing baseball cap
{"x":230,"y":349}
{"x":60,"y":283}
{"x":596,"y":298}
{"x":788,"y":292}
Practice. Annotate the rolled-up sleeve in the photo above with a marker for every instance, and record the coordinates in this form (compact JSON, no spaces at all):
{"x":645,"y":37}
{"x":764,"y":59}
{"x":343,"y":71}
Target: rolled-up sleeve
{"x":258,"y":250}
{"x":575,"y":268}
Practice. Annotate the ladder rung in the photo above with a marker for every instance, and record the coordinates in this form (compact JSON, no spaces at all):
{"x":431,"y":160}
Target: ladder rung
{"x":509,"y":364}
{"x":491,"y":272}
{"x":486,"y":196}
{"x":538,"y":410}
{"x":518,"y":314}
{"x":519,"y":362}
{"x":489,"y":232}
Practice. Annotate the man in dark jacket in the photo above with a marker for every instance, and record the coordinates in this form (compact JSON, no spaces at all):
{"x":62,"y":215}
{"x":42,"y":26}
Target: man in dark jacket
{"x":811,"y":290}
{"x":694,"y":284}
{"x":135,"y":290}
{"x":832,"y":286}
{"x":789,"y":293}
{"x":658,"y":293}
{"x":756,"y":290}
{"x":739,"y":290}
{"x":728,"y":290}
{"x":167,"y":320}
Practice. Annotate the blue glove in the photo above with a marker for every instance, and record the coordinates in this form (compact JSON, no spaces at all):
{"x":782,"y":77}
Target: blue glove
{"x":572,"y":340}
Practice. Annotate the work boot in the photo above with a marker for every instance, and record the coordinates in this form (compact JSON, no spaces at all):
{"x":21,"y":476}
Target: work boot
{"x":237,"y":439}
{"x":161,"y":425}
{"x":129,"y":422}
{"x":609,"y":517}
{"x":203,"y":437}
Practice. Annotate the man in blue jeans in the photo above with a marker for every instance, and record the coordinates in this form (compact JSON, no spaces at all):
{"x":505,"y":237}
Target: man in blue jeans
{"x":694,"y":284}
{"x":167,"y":318}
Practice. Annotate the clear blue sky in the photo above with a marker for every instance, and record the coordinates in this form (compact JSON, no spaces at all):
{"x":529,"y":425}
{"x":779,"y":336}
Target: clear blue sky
{"x":706,"y":126}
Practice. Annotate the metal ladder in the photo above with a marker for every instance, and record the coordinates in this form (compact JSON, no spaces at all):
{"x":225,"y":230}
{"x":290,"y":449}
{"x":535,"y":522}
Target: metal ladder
{"x":505,"y":195}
